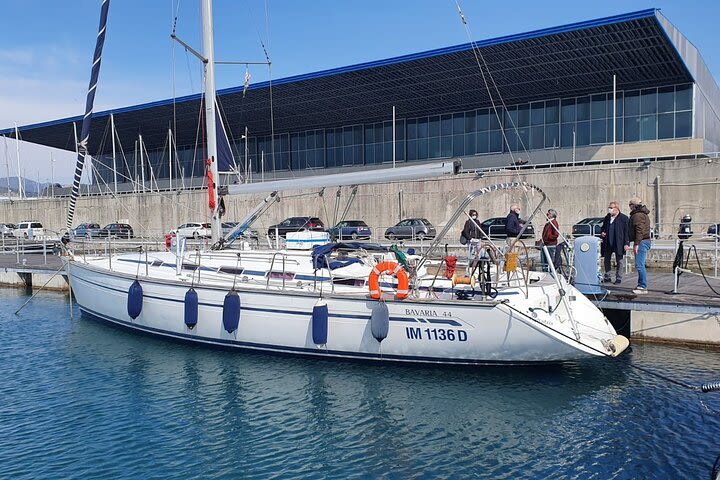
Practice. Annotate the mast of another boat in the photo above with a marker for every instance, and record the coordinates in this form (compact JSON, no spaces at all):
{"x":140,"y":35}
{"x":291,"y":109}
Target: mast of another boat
{"x":17,"y":151}
{"x":112,"y":133}
{"x":7,"y":166}
{"x":209,"y":54}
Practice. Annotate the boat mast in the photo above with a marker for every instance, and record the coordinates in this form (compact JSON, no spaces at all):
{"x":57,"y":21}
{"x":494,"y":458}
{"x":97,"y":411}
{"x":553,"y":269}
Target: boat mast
{"x":17,"y":152}
{"x":170,"y":156}
{"x":7,"y":166}
{"x":209,"y":54}
{"x":112,"y":133}
{"x":82,"y":145}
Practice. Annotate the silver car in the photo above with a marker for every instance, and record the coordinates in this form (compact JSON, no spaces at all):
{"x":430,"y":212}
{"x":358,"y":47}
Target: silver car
{"x":6,"y":229}
{"x":411,"y":228}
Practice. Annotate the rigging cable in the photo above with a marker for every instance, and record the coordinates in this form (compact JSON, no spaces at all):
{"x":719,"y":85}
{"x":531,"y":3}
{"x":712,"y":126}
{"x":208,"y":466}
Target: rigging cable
{"x":270,"y":89}
{"x":700,"y":268}
{"x":480,"y":60}
{"x":174,"y":93}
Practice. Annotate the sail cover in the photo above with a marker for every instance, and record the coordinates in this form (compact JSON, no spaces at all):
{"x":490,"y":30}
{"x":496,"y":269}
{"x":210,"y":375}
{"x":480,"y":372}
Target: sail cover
{"x":85,"y":131}
{"x":226,"y":162}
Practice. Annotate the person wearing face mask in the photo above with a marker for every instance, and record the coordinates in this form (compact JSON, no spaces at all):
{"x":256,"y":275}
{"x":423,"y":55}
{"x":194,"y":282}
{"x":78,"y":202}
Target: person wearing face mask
{"x":471,"y":229}
{"x":615,"y":240}
{"x":513,"y":224}
{"x":639,"y":232}
{"x":470,"y":236}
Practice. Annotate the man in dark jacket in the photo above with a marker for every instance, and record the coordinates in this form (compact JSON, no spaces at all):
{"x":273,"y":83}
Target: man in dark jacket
{"x":513,"y":224}
{"x":639,"y":232}
{"x":614,"y":234}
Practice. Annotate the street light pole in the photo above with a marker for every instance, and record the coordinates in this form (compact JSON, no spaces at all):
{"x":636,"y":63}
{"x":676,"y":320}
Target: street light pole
{"x":247,"y":166}
{"x":52,"y":176}
{"x":614,"y":115}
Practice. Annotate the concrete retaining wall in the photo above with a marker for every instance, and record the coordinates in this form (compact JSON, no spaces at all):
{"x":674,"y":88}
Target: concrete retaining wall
{"x":675,"y":327}
{"x":9,"y":278}
{"x":686,"y":186}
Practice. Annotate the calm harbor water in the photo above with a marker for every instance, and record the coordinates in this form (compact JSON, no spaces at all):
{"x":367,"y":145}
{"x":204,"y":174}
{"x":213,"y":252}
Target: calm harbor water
{"x":80,"y":399}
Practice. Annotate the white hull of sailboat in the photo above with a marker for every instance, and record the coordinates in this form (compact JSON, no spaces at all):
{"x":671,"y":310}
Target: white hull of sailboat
{"x":419,"y":331}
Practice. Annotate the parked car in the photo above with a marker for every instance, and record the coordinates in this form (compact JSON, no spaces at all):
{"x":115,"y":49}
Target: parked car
{"x":411,"y":228}
{"x":495,"y":228}
{"x":28,"y":229}
{"x":350,"y":229}
{"x":89,"y":230}
{"x":121,"y":230}
{"x":227,"y":227}
{"x":6,"y":229}
{"x":194,"y":230}
{"x":588,"y":226}
{"x":296,"y":224}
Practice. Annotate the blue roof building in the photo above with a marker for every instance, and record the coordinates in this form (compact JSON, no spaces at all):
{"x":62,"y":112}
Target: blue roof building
{"x":544,"y":96}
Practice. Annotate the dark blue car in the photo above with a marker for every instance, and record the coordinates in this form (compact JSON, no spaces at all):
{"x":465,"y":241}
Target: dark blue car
{"x":350,"y":229}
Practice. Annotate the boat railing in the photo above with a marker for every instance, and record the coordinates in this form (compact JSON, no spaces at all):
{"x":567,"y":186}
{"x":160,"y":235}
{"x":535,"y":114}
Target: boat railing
{"x":283,"y":273}
{"x":512,"y":242}
{"x":430,"y":290}
{"x":272,"y":265}
{"x":21,"y":247}
{"x":559,"y":279}
{"x":466,"y":202}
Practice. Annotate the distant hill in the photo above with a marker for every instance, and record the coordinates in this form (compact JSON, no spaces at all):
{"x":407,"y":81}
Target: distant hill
{"x":32,"y":188}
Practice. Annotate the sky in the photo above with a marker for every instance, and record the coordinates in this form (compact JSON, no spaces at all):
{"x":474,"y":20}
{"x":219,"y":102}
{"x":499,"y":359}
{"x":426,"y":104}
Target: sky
{"x":46,"y":47}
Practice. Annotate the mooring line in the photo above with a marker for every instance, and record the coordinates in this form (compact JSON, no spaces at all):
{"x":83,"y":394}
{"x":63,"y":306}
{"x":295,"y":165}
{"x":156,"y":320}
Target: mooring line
{"x":39,"y":290}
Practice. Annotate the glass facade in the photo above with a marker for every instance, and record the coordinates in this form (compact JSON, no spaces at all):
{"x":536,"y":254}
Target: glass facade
{"x":640,"y":115}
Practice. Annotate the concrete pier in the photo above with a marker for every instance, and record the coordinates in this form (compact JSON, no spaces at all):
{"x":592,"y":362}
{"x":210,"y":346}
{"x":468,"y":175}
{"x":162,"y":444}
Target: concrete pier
{"x":32,"y":274}
{"x":692,"y":315}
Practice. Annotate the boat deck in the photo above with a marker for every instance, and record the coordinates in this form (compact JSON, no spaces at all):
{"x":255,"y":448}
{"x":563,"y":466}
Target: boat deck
{"x":694,"y":295}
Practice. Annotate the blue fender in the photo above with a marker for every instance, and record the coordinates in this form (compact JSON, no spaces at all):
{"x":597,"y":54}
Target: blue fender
{"x":380,"y":321}
{"x":231,"y":311}
{"x":320,"y":323}
{"x":135,"y":300}
{"x":191,"y":308}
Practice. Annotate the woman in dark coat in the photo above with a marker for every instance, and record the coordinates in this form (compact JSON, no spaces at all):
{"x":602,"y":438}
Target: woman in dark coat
{"x":471,"y":229}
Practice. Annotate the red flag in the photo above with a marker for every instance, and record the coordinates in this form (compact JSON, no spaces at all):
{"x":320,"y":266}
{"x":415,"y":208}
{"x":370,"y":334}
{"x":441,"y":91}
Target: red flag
{"x":211,"y":187}
{"x":247,"y":81}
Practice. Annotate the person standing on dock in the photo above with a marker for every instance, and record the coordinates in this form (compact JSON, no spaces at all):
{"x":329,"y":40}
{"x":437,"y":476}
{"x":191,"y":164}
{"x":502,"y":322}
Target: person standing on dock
{"x":639,"y":230}
{"x":614,"y":234}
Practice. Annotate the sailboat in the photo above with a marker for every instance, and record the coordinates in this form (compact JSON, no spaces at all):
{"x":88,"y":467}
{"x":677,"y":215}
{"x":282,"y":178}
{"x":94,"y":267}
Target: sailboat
{"x":342,"y":300}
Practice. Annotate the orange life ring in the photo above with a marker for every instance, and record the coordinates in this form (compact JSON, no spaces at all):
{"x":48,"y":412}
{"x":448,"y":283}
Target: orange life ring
{"x":390,"y":268}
